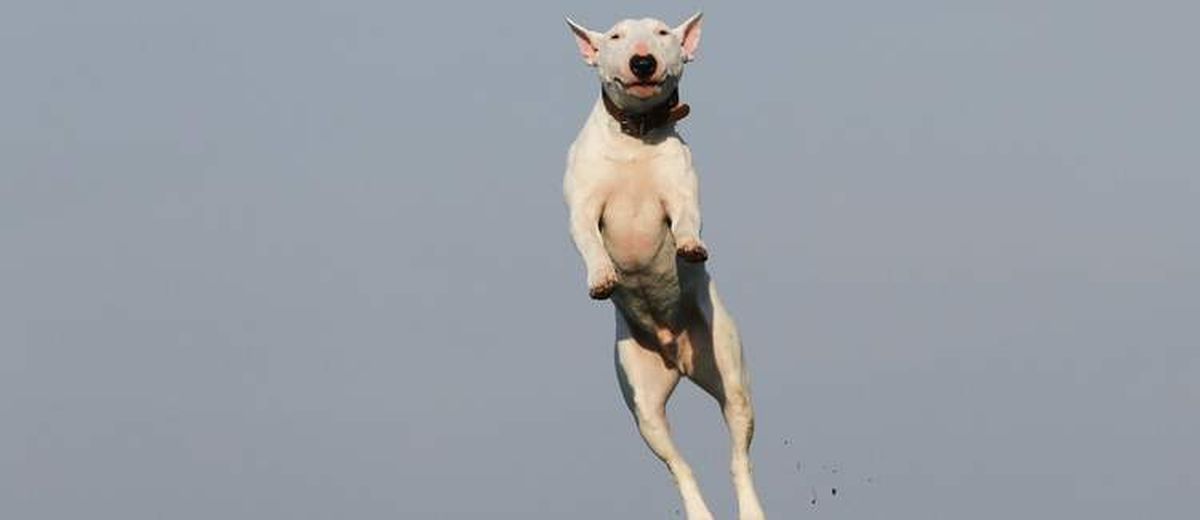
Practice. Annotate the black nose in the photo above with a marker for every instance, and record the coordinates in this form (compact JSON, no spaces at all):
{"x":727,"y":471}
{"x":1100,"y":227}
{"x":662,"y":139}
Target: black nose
{"x":643,"y":66}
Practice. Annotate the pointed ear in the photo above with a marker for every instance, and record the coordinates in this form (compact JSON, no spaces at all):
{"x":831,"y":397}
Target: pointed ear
{"x":587,"y":40}
{"x":689,"y":35}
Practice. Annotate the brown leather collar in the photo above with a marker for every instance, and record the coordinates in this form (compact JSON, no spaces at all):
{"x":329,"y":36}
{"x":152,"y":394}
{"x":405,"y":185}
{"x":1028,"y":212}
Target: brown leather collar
{"x":639,"y":124}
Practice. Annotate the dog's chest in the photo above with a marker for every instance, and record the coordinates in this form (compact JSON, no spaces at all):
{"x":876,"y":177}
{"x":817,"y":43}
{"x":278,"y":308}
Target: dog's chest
{"x":634,"y":222}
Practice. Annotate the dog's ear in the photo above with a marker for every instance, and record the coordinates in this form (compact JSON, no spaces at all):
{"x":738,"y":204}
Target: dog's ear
{"x":587,"y":40}
{"x":689,"y":36}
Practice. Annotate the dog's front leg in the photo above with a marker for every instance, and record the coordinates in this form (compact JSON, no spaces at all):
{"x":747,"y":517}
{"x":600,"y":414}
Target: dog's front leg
{"x":585,"y":210}
{"x":682,"y":202}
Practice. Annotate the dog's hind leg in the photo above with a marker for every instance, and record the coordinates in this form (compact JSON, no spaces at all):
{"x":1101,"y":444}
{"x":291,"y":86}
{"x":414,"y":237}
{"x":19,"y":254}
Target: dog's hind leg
{"x":647,"y":383}
{"x":718,"y":368}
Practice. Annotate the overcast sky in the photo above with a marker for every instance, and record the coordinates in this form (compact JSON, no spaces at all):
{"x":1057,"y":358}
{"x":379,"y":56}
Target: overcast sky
{"x":309,"y":260}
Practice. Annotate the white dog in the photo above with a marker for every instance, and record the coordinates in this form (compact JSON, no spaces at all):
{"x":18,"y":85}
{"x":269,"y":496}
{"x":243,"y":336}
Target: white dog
{"x":635,"y":218}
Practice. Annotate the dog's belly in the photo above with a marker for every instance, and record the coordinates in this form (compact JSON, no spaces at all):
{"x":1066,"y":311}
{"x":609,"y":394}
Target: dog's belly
{"x":639,"y":241}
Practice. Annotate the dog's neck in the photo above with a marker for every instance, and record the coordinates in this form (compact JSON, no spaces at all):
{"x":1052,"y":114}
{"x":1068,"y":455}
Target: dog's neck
{"x":638,"y":124}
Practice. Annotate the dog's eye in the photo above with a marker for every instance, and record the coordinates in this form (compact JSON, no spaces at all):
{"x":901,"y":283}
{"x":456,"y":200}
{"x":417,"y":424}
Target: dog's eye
{"x":615,"y":36}
{"x":663,"y":32}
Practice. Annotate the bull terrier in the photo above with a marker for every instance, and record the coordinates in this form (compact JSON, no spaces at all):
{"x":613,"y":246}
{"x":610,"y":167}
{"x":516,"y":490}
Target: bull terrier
{"x":632,"y":195}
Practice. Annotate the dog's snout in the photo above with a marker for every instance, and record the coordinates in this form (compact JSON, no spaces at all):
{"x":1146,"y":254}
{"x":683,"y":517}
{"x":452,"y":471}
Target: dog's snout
{"x":643,"y":66}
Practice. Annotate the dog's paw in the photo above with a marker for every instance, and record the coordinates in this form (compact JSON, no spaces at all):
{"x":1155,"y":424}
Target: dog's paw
{"x":692,"y":250}
{"x":602,"y":282}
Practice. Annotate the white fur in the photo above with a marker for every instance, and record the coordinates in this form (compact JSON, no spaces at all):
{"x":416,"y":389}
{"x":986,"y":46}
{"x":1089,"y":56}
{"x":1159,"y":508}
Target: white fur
{"x":635,"y":218}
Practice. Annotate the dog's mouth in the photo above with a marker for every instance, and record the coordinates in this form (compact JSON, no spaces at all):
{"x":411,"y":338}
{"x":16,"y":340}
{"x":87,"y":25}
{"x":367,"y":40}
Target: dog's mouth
{"x":640,"y":88}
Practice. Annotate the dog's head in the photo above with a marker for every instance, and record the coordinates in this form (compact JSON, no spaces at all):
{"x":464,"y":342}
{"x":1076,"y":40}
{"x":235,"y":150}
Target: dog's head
{"x":640,"y":62}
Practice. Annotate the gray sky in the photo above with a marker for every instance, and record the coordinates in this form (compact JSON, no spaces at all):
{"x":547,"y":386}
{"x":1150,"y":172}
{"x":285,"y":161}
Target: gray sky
{"x":309,"y":259}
